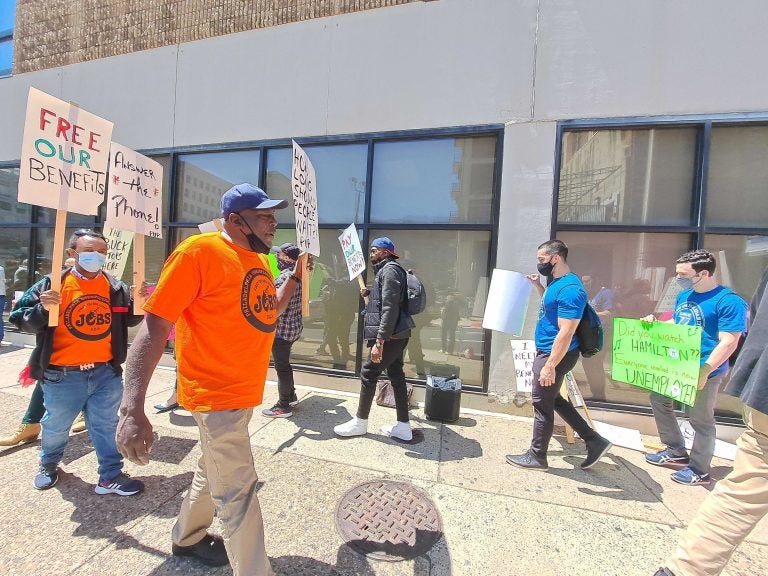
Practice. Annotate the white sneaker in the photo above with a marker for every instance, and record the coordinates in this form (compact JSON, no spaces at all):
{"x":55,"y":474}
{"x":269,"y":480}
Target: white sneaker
{"x":355,"y":427}
{"x":400,"y":430}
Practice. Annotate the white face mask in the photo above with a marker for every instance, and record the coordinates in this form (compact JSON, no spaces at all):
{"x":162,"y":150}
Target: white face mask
{"x":91,"y":261}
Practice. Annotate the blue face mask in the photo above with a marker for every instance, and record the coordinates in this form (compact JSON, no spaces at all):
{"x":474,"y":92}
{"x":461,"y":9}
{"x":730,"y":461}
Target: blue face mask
{"x":91,"y":261}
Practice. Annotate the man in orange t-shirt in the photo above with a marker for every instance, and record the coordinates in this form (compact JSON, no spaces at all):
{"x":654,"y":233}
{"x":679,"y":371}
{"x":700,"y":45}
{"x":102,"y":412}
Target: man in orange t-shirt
{"x":78,"y":362}
{"x":218,"y":290}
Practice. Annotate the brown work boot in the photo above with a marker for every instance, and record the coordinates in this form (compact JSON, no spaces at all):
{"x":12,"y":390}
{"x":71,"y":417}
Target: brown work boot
{"x":25,"y":433}
{"x":79,"y":424}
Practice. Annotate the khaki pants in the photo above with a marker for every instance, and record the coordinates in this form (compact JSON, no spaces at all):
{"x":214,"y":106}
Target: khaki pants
{"x":225,"y":481}
{"x":732,"y":510}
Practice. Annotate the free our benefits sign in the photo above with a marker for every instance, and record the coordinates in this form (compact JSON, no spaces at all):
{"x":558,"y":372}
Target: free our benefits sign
{"x":658,"y":356}
{"x":64,"y":155}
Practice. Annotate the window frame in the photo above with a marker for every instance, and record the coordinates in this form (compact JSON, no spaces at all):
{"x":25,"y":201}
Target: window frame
{"x":698,"y":229}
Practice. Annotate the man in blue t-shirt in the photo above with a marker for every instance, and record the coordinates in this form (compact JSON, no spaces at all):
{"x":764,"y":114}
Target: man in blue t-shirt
{"x":722,"y":315}
{"x":557,"y":351}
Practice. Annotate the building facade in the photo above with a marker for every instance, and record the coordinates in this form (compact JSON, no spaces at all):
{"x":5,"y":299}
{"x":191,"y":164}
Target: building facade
{"x":469,"y":131}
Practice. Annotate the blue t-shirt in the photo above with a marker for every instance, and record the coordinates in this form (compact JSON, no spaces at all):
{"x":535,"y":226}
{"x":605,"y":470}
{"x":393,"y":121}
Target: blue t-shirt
{"x":564,"y":298}
{"x":719,"y":310}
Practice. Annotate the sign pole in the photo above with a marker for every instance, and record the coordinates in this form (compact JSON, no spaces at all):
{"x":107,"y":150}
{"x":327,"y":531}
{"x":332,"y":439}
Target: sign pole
{"x":56,"y":262}
{"x":138,"y":274}
{"x":304,"y":285}
{"x":362,"y":287}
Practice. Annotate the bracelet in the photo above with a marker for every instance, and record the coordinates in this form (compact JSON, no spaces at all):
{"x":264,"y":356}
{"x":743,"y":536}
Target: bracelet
{"x":295,"y":278}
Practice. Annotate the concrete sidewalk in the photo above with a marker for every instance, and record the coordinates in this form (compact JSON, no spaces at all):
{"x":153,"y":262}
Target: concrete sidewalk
{"x":620,"y":518}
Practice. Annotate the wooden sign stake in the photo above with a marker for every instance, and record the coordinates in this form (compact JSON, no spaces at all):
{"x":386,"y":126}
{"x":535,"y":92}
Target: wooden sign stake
{"x":57,"y":260}
{"x":138,"y":274}
{"x":304,"y":285}
{"x":362,"y":287}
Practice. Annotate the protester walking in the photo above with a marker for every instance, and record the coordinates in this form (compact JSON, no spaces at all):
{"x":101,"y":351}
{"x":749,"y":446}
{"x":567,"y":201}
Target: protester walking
{"x":78,"y":362}
{"x":290,"y":325}
{"x":386,"y":329}
{"x":557,"y":351}
{"x":218,"y":290}
{"x":722,"y":316}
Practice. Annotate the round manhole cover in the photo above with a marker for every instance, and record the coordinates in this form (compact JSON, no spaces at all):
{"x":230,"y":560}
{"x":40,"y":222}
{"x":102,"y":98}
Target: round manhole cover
{"x":388,"y":520}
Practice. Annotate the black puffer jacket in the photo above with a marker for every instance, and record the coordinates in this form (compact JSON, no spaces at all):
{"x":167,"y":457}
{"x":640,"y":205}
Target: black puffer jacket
{"x":383,"y":317}
{"x":29,"y":315}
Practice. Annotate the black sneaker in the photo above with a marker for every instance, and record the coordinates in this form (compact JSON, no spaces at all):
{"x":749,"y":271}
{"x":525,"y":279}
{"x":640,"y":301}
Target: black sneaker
{"x":663,"y":572}
{"x":210,"y":551}
{"x":122,"y":485}
{"x":528,"y":460}
{"x":278,"y":411}
{"x":596,"y":449}
{"x":46,"y":477}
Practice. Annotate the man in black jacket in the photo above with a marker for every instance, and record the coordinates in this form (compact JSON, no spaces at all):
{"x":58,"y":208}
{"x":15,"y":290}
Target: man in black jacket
{"x":78,"y":361}
{"x":387,"y":328}
{"x":740,"y":500}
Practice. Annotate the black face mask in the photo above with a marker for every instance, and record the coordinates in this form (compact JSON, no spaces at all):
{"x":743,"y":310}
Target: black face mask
{"x":545,"y":268}
{"x":254,"y":241}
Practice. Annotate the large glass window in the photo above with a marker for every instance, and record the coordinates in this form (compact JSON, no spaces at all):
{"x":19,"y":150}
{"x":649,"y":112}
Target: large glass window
{"x":7,"y":21}
{"x":202,"y":178}
{"x":639,"y":176}
{"x":736,"y":194}
{"x":436,"y":181}
{"x":637,"y":270}
{"x":340,"y":171}
{"x":453,"y":266}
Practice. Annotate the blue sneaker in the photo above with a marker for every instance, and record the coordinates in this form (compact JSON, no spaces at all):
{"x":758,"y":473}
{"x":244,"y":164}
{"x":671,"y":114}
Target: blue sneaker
{"x":690,"y":478}
{"x":665,"y":457}
{"x":46,"y":477}
{"x":122,"y":485}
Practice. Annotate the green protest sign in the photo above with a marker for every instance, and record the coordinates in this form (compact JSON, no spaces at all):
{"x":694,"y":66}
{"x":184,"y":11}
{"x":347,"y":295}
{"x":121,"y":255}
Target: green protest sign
{"x":660,"y":357}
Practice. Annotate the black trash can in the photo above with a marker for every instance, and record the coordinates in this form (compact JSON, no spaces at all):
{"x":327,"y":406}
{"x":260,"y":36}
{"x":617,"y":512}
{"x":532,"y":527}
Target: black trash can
{"x":442,"y":405}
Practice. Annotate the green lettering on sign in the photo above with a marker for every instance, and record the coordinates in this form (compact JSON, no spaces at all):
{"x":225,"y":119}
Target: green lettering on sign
{"x":659,"y":357}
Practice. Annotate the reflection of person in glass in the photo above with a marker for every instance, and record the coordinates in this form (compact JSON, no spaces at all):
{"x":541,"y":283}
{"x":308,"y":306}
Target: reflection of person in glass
{"x":557,"y":351}
{"x":601,"y":299}
{"x":451,"y":313}
{"x":338,"y":316}
{"x":722,"y":316}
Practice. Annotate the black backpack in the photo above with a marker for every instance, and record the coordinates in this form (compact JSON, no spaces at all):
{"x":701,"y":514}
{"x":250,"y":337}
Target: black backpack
{"x":589,"y":331}
{"x":416,"y":297}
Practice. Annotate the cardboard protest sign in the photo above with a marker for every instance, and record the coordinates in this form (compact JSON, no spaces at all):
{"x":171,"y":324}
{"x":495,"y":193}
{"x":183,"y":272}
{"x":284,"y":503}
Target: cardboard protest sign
{"x":658,"y":356}
{"x":353,"y":252}
{"x":134,"y":200}
{"x":523,"y":354}
{"x":64,"y":155}
{"x":304,"y":186}
{"x":507,"y":302}
{"x":118,"y":246}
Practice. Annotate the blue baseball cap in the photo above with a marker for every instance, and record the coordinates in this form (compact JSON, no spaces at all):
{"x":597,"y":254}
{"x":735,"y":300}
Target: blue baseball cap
{"x":385,"y":244}
{"x":247,"y":196}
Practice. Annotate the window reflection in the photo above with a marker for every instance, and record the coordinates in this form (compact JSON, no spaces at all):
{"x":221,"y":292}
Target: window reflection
{"x":453,"y":266}
{"x":203,"y":178}
{"x":441,"y":180}
{"x":737,"y":175}
{"x":627,"y":176}
{"x":340,"y":171}
{"x":638,"y":270}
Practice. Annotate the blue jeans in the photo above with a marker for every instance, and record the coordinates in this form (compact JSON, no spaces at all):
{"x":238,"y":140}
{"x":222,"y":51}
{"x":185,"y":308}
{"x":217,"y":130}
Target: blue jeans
{"x":97,"y":393}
